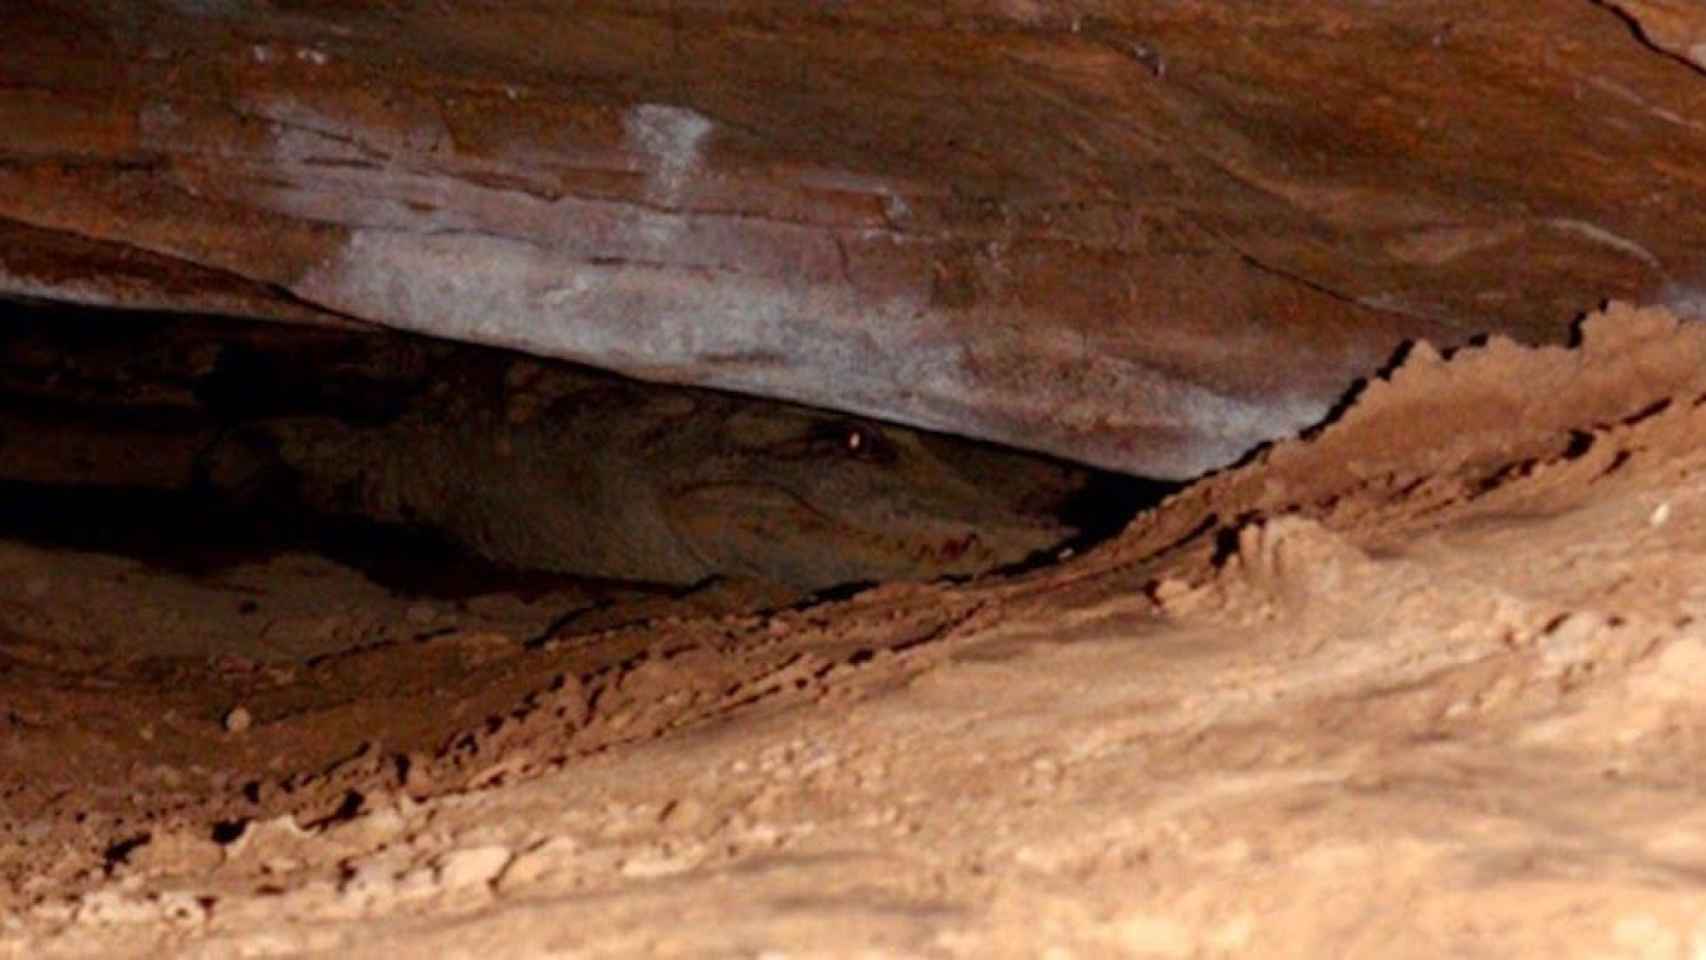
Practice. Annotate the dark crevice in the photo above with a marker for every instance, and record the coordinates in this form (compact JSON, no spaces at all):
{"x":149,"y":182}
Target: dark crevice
{"x":90,"y":374}
{"x":119,"y":853}
{"x":180,"y":533}
{"x":226,"y":832}
{"x":1639,"y":34}
{"x":352,"y":804}
{"x":219,"y":280}
{"x":1267,"y":268}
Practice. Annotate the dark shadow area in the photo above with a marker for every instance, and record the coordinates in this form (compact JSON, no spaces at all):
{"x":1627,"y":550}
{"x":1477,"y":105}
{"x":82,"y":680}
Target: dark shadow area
{"x":1109,"y":502}
{"x":182,"y":533}
{"x":1100,"y":511}
{"x":156,"y":437}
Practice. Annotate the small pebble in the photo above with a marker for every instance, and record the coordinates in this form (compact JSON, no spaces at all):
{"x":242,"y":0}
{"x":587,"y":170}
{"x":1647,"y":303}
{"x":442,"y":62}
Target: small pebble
{"x":682,"y":814}
{"x":238,"y":720}
{"x":471,"y":866}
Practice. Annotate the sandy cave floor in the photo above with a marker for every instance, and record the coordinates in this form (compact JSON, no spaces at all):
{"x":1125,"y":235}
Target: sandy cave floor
{"x":1430,"y":682}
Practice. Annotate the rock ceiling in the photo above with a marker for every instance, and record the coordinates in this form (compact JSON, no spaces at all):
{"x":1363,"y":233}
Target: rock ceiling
{"x":1147,"y":236}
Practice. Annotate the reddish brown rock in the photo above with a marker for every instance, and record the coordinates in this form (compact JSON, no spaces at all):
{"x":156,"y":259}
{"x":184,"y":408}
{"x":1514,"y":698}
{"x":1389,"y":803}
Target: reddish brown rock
{"x":1144,"y":236}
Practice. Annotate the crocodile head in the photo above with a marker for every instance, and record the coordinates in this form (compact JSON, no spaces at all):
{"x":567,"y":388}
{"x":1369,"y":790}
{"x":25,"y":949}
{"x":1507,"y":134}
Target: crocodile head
{"x":814,"y":499}
{"x":673,"y":486}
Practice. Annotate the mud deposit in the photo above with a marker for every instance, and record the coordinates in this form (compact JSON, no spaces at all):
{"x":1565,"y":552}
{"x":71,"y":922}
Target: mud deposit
{"x":1428,"y":682}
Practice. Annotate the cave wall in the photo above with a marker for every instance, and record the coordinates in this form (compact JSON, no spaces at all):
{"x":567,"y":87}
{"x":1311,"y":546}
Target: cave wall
{"x":1147,"y":236}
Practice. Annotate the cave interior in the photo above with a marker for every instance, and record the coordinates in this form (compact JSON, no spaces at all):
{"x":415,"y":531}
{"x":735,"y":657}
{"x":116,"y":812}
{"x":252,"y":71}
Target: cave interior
{"x":769,"y":479}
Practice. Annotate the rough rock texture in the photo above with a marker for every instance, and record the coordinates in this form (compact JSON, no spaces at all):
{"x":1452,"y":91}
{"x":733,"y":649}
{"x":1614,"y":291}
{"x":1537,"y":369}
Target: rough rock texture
{"x":1143,"y":235}
{"x":1426,"y":684}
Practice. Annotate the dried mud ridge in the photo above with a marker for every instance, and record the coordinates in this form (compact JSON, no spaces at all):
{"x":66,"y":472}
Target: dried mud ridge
{"x":1444,"y":653}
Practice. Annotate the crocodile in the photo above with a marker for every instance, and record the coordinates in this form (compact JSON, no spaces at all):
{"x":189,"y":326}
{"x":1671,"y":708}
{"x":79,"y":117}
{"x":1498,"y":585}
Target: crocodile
{"x":675,"y":485}
{"x":531,"y":463}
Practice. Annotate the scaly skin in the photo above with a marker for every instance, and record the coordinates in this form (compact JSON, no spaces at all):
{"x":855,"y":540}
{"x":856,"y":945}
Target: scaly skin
{"x":615,"y":480}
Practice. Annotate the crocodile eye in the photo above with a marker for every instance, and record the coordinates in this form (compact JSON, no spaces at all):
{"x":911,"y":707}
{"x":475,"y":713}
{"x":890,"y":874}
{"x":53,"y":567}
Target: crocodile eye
{"x":849,"y":439}
{"x":865,"y":443}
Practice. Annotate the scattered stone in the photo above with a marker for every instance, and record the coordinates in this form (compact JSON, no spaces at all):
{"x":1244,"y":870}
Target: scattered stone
{"x":1571,"y":640}
{"x":111,"y":905}
{"x":238,"y":720}
{"x":272,"y":839}
{"x":538,"y":862}
{"x":682,"y":814}
{"x":472,"y":865}
{"x":661,"y":861}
